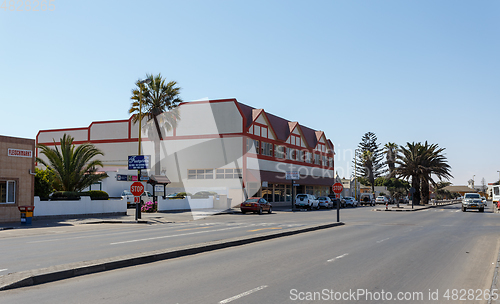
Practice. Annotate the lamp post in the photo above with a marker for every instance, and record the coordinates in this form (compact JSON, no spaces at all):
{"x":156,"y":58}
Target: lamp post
{"x":473,"y":182}
{"x":138,"y":205}
{"x":355,"y":174}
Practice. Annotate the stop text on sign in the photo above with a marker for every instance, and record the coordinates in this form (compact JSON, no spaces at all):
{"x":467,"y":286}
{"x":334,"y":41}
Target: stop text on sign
{"x":137,"y":188}
{"x":337,"y":187}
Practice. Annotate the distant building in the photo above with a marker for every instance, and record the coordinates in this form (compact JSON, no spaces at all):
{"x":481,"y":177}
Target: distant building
{"x":17,"y":182}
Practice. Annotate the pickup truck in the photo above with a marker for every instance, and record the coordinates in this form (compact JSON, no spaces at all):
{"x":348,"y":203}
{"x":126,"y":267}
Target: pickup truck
{"x":472,"y":201}
{"x":145,"y":197}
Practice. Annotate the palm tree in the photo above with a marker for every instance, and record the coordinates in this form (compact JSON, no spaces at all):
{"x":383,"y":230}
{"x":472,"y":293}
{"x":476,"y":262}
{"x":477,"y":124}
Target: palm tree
{"x":74,"y":168}
{"x":419,"y":161}
{"x":391,"y":150}
{"x":159,"y":102}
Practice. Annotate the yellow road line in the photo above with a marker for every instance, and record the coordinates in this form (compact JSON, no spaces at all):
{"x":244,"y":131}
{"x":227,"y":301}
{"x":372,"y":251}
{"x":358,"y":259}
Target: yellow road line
{"x":264,"y":229}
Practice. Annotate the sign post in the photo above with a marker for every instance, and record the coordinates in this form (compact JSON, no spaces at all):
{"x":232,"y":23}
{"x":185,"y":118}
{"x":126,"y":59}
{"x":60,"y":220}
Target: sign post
{"x":137,"y":189}
{"x":293,"y":175}
{"x":337,"y":189}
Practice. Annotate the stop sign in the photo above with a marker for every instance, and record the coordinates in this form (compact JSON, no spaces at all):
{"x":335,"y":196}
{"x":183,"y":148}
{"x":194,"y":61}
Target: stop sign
{"x":137,"y":188}
{"x":337,"y":188}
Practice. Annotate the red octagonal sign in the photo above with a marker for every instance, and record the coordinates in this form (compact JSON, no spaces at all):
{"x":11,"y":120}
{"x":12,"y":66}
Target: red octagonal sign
{"x":337,"y":188}
{"x":137,"y":188}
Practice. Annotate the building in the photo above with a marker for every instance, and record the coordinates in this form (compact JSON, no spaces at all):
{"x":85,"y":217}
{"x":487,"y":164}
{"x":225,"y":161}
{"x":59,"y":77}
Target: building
{"x":220,"y":146}
{"x":17,"y":167}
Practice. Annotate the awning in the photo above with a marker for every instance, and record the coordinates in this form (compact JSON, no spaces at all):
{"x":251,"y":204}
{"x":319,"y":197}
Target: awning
{"x":158,"y":180}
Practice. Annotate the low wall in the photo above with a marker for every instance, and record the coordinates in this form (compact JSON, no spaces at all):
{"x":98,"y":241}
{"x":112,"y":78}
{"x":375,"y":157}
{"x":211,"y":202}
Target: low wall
{"x":187,"y":203}
{"x":84,"y":206}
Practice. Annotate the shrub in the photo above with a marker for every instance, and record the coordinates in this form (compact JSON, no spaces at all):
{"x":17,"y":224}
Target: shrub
{"x":65,"y":195}
{"x":43,"y":183}
{"x":149,"y":207}
{"x":95,"y":194}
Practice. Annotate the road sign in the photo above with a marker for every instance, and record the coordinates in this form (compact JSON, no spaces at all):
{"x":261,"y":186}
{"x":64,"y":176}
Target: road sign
{"x":293,"y":175}
{"x":139,"y":162}
{"x":137,"y":199}
{"x":337,"y":195}
{"x":337,"y":188}
{"x":137,"y":188}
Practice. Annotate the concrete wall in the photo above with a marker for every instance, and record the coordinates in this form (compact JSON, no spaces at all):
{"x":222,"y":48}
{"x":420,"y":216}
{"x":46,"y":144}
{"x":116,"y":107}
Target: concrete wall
{"x":84,"y":206}
{"x":187,"y":203}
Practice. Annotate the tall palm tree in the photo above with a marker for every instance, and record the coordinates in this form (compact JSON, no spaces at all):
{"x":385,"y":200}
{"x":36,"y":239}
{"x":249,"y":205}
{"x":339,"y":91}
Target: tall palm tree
{"x":159,"y":102}
{"x":419,"y":161}
{"x":73,"y":167}
{"x":391,"y":150}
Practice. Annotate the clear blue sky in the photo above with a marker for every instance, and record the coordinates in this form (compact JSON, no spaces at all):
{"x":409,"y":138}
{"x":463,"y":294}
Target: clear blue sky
{"x":405,"y":70}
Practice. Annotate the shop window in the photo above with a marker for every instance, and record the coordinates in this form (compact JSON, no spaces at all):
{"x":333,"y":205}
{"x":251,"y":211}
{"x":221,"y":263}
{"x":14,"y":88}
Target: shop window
{"x":7,"y":192}
{"x":201,"y":174}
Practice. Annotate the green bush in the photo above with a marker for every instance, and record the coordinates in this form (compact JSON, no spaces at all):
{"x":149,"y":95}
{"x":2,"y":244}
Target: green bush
{"x":181,"y":195}
{"x":96,"y":194}
{"x":65,"y":195}
{"x":43,"y":183}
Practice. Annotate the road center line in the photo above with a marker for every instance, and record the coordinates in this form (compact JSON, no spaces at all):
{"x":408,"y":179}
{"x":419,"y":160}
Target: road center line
{"x":339,"y":257}
{"x":383,"y":240}
{"x":246,"y":293}
{"x":175,"y":235}
{"x":3,"y":269}
{"x":264,"y":229}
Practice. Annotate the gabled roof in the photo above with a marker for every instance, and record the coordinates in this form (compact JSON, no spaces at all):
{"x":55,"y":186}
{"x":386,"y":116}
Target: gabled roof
{"x":281,"y":127}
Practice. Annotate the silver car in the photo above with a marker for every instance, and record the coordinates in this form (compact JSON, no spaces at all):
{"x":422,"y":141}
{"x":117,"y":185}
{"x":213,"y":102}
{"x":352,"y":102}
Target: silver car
{"x":325,"y":202}
{"x":473,"y":201}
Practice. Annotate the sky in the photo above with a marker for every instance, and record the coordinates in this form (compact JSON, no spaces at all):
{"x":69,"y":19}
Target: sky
{"x":408,"y":71}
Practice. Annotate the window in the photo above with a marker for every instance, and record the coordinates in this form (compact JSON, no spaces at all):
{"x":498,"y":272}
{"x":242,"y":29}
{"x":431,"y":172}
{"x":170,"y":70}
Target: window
{"x":300,"y":155}
{"x":7,"y":192}
{"x":228,"y":173}
{"x":201,"y":174}
{"x":308,"y":157}
{"x":316,"y":159}
{"x":290,"y":153}
{"x":279,"y":151}
{"x":266,"y":149}
{"x":252,"y":144}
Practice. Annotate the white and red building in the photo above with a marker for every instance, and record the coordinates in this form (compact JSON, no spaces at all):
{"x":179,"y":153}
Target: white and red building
{"x":222,"y":146}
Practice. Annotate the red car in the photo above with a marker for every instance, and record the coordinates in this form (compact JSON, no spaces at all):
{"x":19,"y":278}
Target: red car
{"x":256,"y":205}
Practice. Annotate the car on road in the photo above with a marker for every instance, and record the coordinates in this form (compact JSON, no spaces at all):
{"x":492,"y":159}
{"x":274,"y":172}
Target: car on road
{"x":325,"y":202}
{"x":145,"y":197}
{"x":256,"y":205}
{"x":366,"y":199}
{"x":306,"y":201}
{"x":472,"y":201}
{"x":350,"y":201}
{"x":382,"y":200}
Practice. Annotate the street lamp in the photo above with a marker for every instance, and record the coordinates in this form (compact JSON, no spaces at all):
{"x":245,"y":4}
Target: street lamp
{"x":355,"y":174}
{"x":147,"y":81}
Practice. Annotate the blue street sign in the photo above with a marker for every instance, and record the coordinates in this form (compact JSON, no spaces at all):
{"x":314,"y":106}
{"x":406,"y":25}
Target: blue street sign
{"x":139,"y":162}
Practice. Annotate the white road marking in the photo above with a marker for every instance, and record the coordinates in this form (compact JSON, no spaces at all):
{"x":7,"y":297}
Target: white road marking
{"x":246,"y":293}
{"x":3,"y":269}
{"x":383,"y":240}
{"x":175,"y":235}
{"x":339,"y":257}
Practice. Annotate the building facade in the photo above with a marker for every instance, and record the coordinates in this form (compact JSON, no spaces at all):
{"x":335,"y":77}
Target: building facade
{"x":220,"y":146}
{"x":17,"y":166}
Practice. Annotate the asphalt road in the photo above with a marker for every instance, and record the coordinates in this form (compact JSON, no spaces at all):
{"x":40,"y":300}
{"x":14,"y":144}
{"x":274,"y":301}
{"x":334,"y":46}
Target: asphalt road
{"x":419,"y":256}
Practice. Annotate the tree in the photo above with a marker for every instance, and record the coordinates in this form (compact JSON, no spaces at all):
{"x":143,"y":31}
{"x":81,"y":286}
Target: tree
{"x":159,"y":102}
{"x":74,"y":168}
{"x":391,"y":150}
{"x":43,"y":182}
{"x":418,"y":162}
{"x":369,"y":161}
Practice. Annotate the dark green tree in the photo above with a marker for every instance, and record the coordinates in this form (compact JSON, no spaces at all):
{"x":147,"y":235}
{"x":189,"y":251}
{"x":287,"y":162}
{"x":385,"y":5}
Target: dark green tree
{"x":369,"y":162}
{"x":43,"y":182}
{"x":73,"y":167}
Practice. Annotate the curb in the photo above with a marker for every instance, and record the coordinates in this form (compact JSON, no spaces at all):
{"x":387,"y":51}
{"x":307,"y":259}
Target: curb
{"x":66,"y":271}
{"x":413,"y":210}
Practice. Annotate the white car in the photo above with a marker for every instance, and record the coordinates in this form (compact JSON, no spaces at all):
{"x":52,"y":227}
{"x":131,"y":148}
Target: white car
{"x":145,"y":197}
{"x":350,"y":201}
{"x":382,"y":200}
{"x":306,"y":201}
{"x":472,"y":201}
{"x":325,"y":201}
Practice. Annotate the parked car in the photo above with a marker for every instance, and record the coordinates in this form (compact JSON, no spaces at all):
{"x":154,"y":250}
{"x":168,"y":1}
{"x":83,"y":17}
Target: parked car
{"x":325,"y":202}
{"x":366,"y":199}
{"x":307,"y":201}
{"x":472,"y":201}
{"x":350,"y":202}
{"x":382,"y":200}
{"x":145,"y":197}
{"x":171,"y":195}
{"x":256,"y":205}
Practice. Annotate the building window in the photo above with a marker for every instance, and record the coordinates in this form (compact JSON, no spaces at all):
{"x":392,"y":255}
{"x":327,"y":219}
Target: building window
{"x":316,"y":159}
{"x":201,"y":174}
{"x":290,"y":153}
{"x":308,"y":157}
{"x":7,"y":192}
{"x":300,"y":155}
{"x":279,"y":151}
{"x":228,"y":173}
{"x":252,"y":144}
{"x":266,"y":149}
